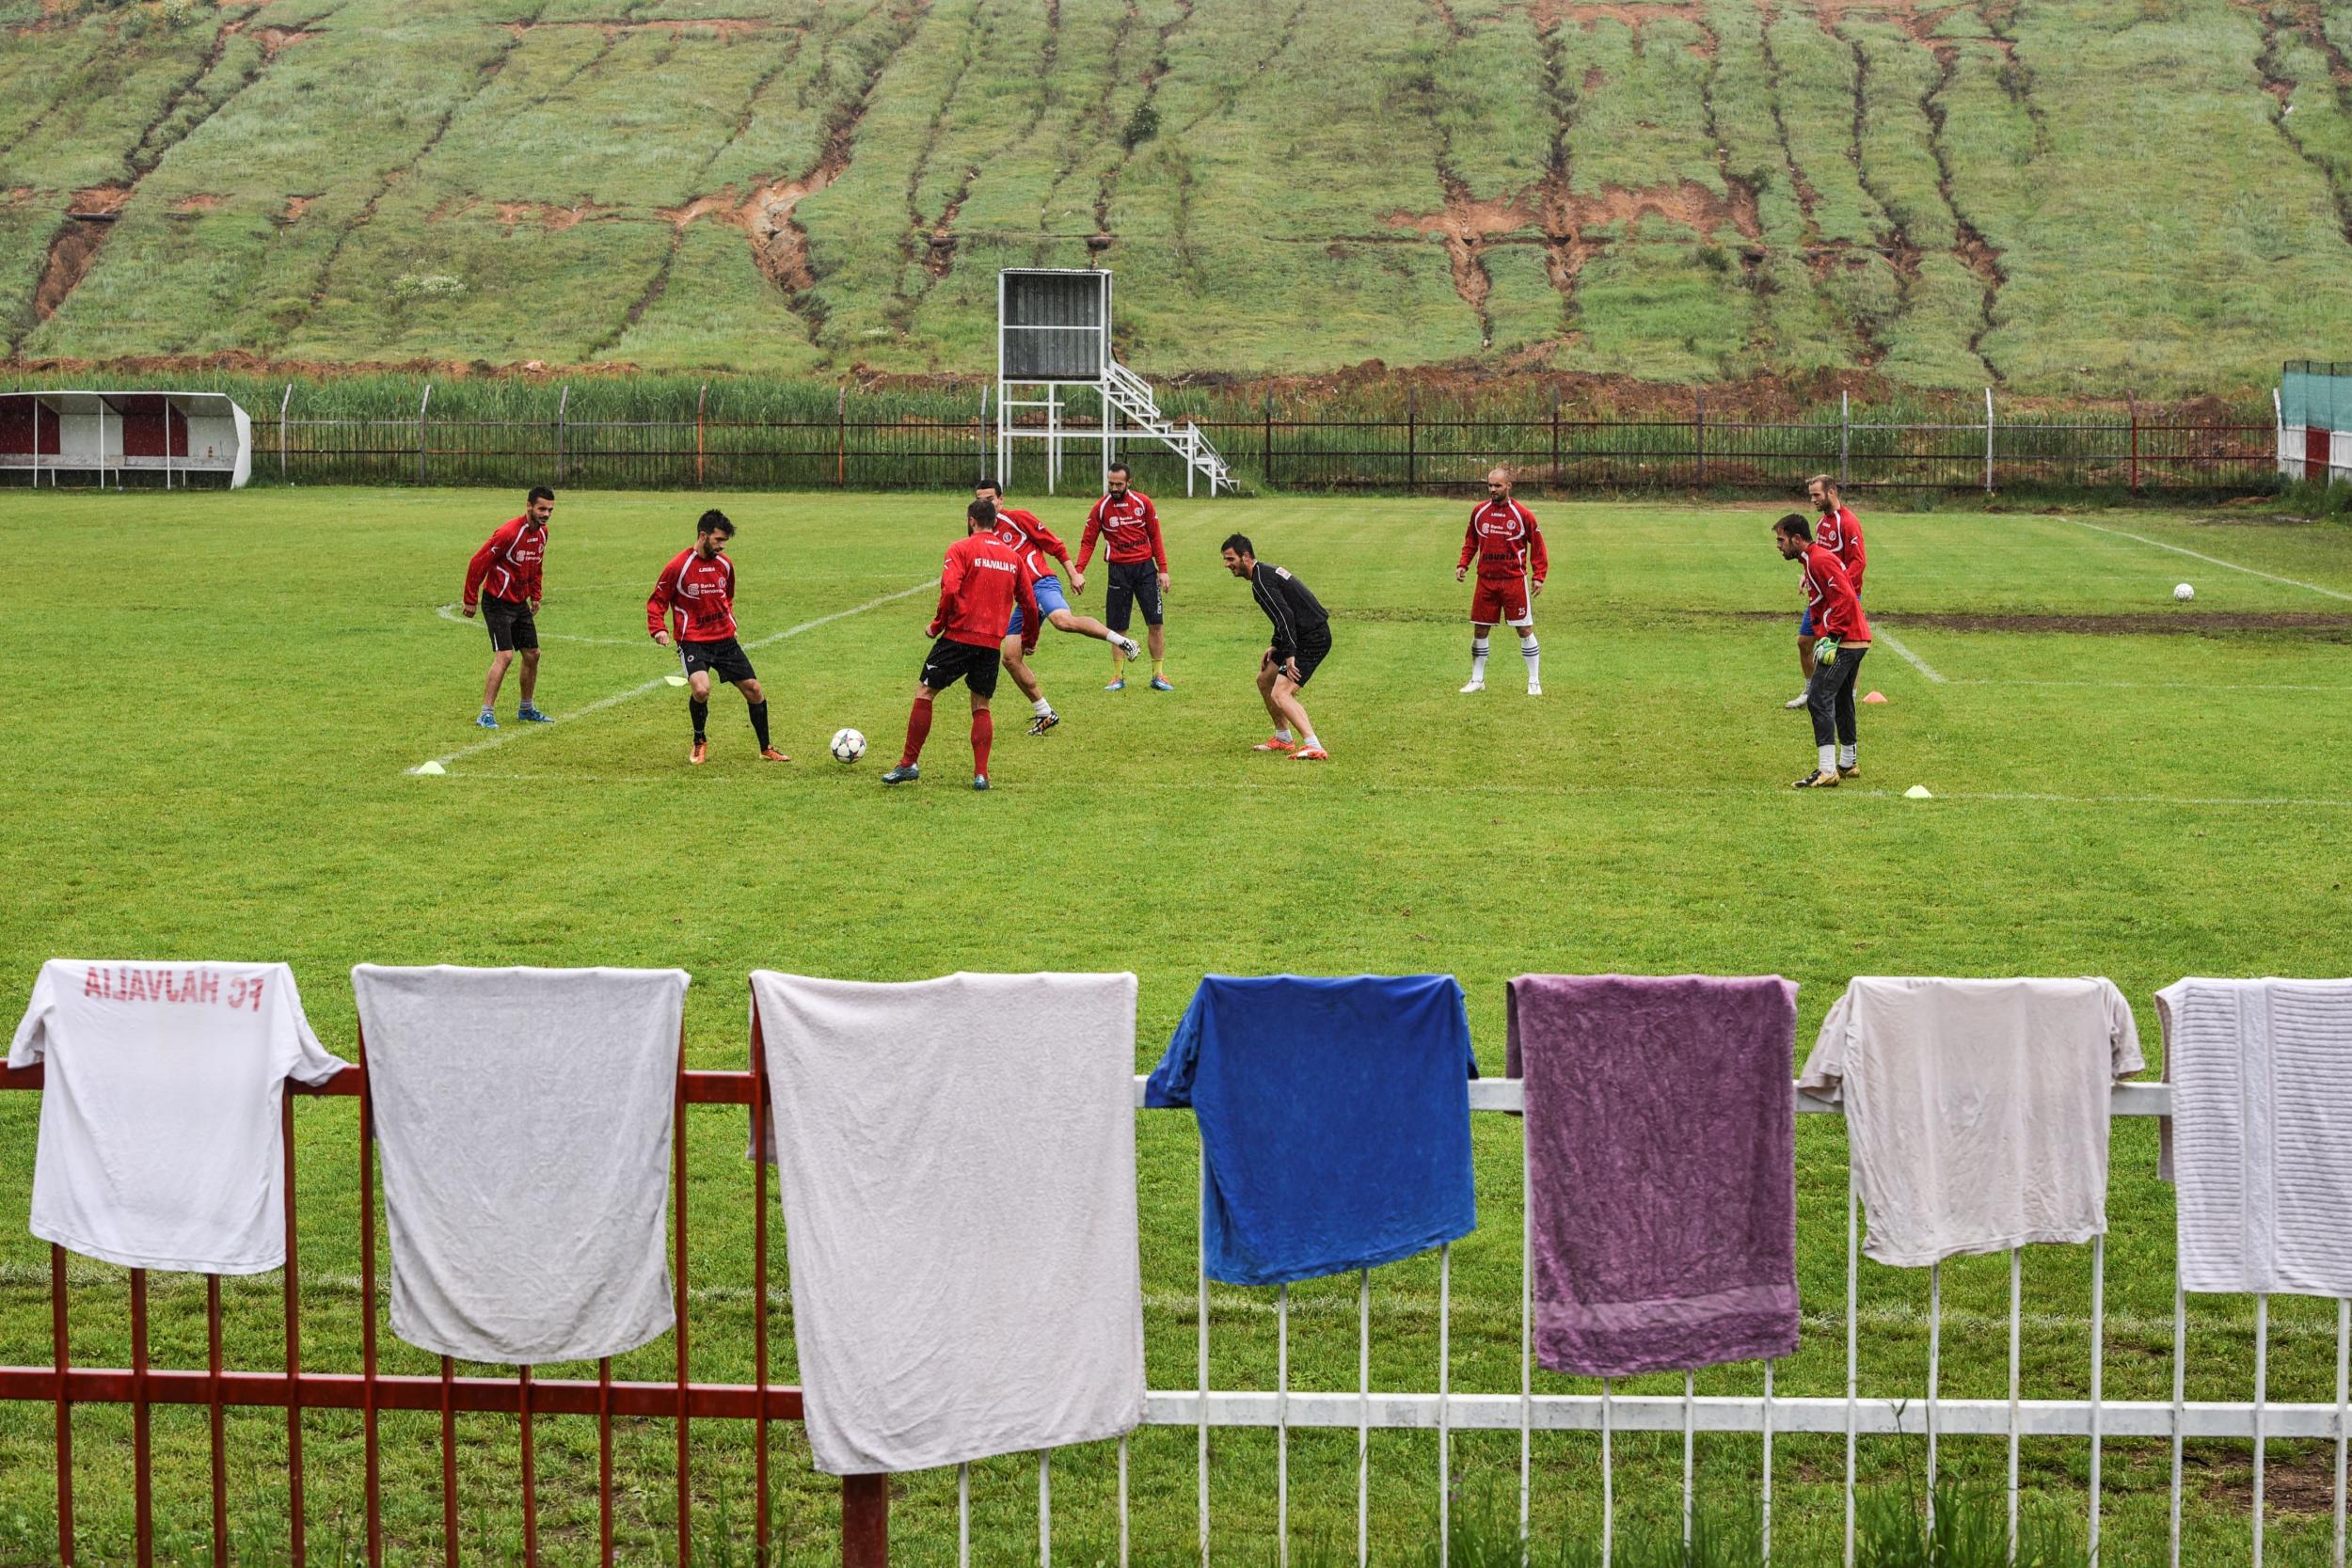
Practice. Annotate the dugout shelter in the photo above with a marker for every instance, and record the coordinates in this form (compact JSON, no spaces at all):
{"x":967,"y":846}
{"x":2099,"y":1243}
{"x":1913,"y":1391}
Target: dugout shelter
{"x":2316,"y":421}
{"x":1059,"y":382}
{"x":177,"y":440}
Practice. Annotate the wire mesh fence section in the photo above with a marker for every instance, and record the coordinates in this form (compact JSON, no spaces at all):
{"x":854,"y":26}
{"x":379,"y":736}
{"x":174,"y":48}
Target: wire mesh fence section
{"x":1400,"y":452}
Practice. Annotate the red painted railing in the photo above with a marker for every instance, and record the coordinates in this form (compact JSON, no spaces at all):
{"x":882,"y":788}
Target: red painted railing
{"x":865,"y":1499}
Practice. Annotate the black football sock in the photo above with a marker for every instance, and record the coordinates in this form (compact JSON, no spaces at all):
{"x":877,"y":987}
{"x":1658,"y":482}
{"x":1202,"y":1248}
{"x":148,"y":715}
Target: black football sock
{"x":759,"y":722}
{"x":701,"y":710}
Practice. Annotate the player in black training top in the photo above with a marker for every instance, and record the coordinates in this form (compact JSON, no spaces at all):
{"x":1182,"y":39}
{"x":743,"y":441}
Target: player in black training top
{"x":1302,"y":635}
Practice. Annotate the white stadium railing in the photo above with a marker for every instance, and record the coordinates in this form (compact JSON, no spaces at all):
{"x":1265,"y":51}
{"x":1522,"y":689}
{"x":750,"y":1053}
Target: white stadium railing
{"x":1922,"y":1413}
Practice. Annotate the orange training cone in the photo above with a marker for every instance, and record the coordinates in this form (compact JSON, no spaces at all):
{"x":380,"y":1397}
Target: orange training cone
{"x":1875,"y":697}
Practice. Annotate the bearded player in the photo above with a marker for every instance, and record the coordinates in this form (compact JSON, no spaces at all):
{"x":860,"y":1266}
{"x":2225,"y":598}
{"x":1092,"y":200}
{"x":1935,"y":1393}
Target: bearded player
{"x":1128,"y":526}
{"x":980,"y":581}
{"x":1509,"y":548}
{"x":1036,"y":542}
{"x":696,"y":593}
{"x":1839,"y":531}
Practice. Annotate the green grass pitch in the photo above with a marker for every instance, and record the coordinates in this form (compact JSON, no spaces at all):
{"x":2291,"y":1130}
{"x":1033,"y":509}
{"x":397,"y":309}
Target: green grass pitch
{"x":214,"y":703}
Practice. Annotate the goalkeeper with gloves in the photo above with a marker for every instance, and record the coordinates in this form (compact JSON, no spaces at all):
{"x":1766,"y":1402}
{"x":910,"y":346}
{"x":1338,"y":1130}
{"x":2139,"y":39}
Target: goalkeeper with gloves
{"x":1845,"y":640}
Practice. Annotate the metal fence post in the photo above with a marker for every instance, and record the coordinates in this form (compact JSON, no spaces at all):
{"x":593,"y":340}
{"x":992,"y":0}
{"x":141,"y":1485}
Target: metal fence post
{"x":282,"y":405}
{"x":841,"y":438}
{"x":1845,"y":432}
{"x":702,"y":401}
{"x":1268,"y":464}
{"x":1700,"y":434}
{"x":2132,"y":402}
{"x":1988,"y":441}
{"x":422,"y":404}
{"x":865,"y":1522}
{"x":1412,"y":440}
{"x":562,"y":416}
{"x":1555,"y":436}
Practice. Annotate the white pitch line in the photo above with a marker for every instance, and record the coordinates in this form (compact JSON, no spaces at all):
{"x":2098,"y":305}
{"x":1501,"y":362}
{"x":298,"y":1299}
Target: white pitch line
{"x":450,"y":612}
{"x":2210,"y":559}
{"x":1374,"y":790}
{"x":659,"y":682}
{"x":2159,"y":686}
{"x":1916,"y":661}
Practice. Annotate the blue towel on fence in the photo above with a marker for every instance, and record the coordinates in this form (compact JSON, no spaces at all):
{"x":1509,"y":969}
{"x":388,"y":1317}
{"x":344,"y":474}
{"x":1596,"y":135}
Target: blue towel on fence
{"x":1335,"y":1119}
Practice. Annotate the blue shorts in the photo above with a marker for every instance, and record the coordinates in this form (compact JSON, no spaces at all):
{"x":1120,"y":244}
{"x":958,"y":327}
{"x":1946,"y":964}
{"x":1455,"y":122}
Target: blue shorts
{"x":1804,"y":622}
{"x":1049,"y":599}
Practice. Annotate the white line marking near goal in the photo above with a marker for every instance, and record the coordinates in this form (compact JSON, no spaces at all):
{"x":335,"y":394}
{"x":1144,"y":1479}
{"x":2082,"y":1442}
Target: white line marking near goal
{"x":1914,"y":659}
{"x":452,"y":612}
{"x":1374,"y":790}
{"x":661,"y":682}
{"x":2210,"y":559}
{"x":2159,"y":686}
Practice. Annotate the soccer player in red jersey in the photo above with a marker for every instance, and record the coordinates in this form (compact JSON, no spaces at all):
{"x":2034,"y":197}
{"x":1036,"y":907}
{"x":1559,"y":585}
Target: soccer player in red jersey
{"x":1509,"y":548}
{"x":503,"y":577}
{"x":1036,"y":542}
{"x":980,"y":581}
{"x":696,"y":592}
{"x":1838,"y":654}
{"x":1839,"y":531}
{"x":1125,"y":520}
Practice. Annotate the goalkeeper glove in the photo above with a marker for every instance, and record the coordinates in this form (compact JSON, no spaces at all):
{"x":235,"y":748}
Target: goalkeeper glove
{"x":1825,"y":652}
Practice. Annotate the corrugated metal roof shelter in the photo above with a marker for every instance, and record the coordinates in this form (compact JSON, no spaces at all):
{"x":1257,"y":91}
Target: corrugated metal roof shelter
{"x":2315,"y":421}
{"x":174,"y":440}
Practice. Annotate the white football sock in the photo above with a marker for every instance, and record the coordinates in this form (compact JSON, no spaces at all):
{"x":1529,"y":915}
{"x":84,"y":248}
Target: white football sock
{"x":1845,"y":756}
{"x":1312,"y":744}
{"x":1478,"y":659}
{"x":1829,"y":759}
{"x":1532,"y":651}
{"x":1040,"y":708}
{"x":1282,"y":731}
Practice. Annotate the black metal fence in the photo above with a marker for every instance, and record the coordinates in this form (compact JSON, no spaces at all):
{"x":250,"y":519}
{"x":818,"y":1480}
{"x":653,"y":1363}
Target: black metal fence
{"x":1406,"y":452}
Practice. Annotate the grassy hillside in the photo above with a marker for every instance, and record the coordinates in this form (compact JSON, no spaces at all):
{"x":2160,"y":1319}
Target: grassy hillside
{"x":2052,"y":195}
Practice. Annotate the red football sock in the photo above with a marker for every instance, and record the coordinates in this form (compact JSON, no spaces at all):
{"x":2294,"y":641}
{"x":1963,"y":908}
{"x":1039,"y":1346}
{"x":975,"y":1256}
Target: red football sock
{"x":918,"y":728}
{"x":983,"y":731}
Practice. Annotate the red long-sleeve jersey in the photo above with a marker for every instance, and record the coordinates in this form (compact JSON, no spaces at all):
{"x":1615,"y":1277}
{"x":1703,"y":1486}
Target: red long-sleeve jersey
{"x":1031,"y":539}
{"x":508,"y":564}
{"x":1837,"y":609}
{"x":697,"y":595}
{"x":1840,"y":533}
{"x":1129,"y":525}
{"x":980,"y":581}
{"x":1504,"y":536}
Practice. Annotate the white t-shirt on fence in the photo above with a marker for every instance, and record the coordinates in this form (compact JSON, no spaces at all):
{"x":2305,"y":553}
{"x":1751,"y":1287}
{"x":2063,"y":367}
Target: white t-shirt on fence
{"x":159,"y":1117}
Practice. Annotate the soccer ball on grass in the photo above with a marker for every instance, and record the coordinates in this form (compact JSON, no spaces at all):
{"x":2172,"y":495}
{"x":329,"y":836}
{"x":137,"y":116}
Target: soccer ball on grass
{"x":2185,"y":593}
{"x":847,"y":746}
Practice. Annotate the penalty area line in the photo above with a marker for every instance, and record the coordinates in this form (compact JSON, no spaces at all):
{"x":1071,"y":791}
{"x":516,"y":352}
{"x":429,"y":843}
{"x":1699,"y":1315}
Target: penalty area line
{"x":1913,"y":659}
{"x":659,"y":682}
{"x":2210,"y":559}
{"x":1375,"y":790}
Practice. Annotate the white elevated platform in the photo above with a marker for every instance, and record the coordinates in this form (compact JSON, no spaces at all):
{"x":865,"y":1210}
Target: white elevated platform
{"x":1054,"y":340}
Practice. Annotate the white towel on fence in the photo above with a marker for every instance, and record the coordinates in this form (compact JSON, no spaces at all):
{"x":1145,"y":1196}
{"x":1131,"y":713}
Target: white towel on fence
{"x":958,"y":1172}
{"x":1976,"y":1110}
{"x":2260,"y":1142}
{"x":160,"y":1142}
{"x":523,"y":1117}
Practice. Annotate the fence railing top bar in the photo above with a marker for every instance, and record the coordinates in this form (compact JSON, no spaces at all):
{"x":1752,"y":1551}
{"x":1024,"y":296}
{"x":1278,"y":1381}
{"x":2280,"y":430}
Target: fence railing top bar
{"x":1506,"y":1095}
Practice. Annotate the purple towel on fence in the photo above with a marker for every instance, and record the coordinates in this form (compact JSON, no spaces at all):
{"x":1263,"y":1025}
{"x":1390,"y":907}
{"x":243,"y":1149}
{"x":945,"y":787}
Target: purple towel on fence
{"x":1661,"y":1164}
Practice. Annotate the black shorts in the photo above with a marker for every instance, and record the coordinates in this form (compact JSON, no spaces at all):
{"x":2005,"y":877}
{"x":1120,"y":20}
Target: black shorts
{"x":725,"y":658}
{"x":1132,"y":582}
{"x":950,"y":661}
{"x":1311,"y":652}
{"x":511,"y":624}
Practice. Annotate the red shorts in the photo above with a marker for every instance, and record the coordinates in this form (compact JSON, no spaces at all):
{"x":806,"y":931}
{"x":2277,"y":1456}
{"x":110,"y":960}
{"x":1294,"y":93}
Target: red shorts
{"x":1501,"y":599}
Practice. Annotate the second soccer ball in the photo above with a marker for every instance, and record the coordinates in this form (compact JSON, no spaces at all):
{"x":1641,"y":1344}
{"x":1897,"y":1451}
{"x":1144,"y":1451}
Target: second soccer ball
{"x":847,"y":746}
